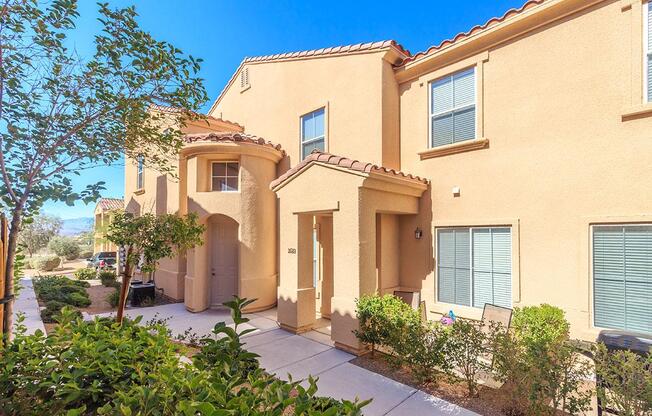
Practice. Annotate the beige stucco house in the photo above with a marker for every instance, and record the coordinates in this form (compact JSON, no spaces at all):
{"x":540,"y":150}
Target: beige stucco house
{"x":509,"y":165}
{"x":105,"y":209}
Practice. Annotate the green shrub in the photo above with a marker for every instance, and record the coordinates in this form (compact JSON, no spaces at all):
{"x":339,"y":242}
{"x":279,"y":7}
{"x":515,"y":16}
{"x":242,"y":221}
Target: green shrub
{"x":85,"y":274}
{"x":62,"y":289}
{"x":629,"y":377}
{"x":100,"y":367}
{"x":113,"y":298}
{"x":382,"y":320}
{"x":425,"y":350}
{"x":542,"y":371}
{"x":64,"y":247}
{"x":540,"y":326}
{"x":86,"y":254}
{"x":467,"y":347}
{"x":108,"y":278}
{"x":48,"y":264}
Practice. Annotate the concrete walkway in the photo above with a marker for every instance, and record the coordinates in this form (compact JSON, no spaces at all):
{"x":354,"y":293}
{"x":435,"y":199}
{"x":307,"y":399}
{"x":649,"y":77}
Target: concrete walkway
{"x":297,"y":356}
{"x":27,"y":305}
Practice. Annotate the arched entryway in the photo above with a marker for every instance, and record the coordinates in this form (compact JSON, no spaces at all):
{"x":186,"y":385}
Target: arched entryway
{"x":223,"y":259}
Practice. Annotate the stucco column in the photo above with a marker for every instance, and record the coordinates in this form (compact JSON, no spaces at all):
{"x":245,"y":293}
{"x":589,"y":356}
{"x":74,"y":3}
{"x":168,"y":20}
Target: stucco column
{"x":197,"y":285}
{"x":354,"y":274}
{"x":296,"y":302}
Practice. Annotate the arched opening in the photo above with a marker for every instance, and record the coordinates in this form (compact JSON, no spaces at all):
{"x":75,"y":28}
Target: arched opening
{"x":223,"y":259}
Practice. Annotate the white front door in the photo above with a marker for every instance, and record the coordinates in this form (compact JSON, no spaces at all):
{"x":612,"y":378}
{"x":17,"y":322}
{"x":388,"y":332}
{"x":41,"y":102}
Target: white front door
{"x":224,"y":267}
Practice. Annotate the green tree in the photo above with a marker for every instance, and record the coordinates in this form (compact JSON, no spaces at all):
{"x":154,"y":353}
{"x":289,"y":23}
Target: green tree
{"x":148,"y":238}
{"x":61,"y":113}
{"x":64,"y":247}
{"x":37,"y":231}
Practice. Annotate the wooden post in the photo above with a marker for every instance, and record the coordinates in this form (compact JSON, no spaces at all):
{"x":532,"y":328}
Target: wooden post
{"x":4,"y":234}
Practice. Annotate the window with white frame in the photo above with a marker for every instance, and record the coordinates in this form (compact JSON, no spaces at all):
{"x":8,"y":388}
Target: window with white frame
{"x":224,"y":176}
{"x":474,"y":266}
{"x":140,"y":171}
{"x":622,"y":277}
{"x":453,"y":108}
{"x":313,"y":134}
{"x":647,"y":19}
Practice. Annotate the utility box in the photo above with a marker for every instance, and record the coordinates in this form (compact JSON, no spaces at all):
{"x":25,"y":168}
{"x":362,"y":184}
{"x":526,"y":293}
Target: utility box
{"x":140,"y":291}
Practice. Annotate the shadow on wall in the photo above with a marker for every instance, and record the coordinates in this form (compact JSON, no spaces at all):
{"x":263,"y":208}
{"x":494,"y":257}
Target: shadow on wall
{"x":420,"y":263}
{"x":161,"y":195}
{"x":133,"y":206}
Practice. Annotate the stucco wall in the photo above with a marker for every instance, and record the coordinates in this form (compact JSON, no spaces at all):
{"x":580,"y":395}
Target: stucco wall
{"x":559,"y":157}
{"x":349,"y":87}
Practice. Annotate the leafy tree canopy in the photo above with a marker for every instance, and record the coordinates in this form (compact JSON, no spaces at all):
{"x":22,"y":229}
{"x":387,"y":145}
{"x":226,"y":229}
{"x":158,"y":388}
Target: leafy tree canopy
{"x":37,"y":231}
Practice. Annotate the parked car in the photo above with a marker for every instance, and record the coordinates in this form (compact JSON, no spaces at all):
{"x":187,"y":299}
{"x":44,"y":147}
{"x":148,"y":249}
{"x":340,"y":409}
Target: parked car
{"x":103,"y":260}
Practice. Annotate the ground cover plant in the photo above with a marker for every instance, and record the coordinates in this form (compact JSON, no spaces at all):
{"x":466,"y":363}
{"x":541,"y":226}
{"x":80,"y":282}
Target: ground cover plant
{"x":102,"y":367}
{"x":59,"y":291}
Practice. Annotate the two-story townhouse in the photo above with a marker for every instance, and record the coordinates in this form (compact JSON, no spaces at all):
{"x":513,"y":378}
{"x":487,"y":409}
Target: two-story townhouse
{"x":525,"y":142}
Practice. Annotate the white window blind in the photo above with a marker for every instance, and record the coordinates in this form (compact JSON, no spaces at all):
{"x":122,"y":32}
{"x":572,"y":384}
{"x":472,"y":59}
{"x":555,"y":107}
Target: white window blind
{"x":474,"y":266}
{"x":622,"y":277}
{"x":453,"y":108}
{"x":313,"y":135}
{"x":140,"y":171}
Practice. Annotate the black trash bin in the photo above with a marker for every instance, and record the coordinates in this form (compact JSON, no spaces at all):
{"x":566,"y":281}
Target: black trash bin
{"x":617,"y":340}
{"x":140,"y":291}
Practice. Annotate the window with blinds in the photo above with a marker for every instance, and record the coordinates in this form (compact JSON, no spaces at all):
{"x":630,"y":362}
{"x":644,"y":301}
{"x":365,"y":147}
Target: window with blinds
{"x":452,"y":108}
{"x":648,"y":49}
{"x":622,"y":277}
{"x":313,"y":134}
{"x":140,"y":172}
{"x":474,"y":266}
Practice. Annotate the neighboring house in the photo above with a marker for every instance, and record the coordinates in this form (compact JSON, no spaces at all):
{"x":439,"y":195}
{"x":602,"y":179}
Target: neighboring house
{"x":525,"y":144}
{"x":104,"y":211}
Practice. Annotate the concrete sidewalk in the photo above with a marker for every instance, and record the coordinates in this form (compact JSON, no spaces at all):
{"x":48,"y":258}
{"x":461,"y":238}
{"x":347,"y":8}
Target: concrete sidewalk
{"x":27,"y":305}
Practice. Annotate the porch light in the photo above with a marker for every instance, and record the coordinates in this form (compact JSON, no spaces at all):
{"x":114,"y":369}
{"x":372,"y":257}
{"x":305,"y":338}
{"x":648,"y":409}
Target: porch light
{"x":418,"y":233}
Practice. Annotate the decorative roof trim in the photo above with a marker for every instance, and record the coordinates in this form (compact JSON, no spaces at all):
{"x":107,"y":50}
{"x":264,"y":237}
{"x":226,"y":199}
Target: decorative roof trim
{"x":317,"y":157}
{"x":474,"y":31}
{"x":232,"y":137}
{"x":314,"y":53}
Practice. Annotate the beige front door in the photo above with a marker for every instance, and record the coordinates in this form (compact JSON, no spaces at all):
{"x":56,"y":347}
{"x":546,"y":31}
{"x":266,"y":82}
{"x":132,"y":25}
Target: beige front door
{"x":224,"y":259}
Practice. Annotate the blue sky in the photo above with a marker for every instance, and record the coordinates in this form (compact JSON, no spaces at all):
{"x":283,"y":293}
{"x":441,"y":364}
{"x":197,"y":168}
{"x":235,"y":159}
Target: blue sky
{"x":223,"y":32}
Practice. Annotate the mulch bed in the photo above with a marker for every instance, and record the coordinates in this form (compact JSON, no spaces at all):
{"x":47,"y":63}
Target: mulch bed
{"x":98,"y":295}
{"x":490,"y":401}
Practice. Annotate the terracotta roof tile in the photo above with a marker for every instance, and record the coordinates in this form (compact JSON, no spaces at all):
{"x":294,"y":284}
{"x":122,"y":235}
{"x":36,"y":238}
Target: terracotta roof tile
{"x":232,"y":137}
{"x":175,"y":110}
{"x":330,"y":159}
{"x":474,"y":30}
{"x":111,"y":204}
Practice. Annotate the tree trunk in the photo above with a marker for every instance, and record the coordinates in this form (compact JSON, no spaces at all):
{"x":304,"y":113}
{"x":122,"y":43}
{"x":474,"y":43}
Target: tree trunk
{"x":9,"y":271}
{"x":124,"y":291}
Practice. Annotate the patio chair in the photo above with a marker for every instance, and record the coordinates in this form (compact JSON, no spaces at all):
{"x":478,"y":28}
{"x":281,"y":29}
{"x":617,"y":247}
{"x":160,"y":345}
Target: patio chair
{"x":411,"y":298}
{"x":497,"y":315}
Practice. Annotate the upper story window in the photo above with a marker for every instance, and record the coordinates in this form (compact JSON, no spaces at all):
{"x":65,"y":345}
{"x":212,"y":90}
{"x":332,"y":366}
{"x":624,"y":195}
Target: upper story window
{"x":313,"y":135}
{"x":224,"y":176}
{"x":648,"y":49}
{"x":453,"y":108}
{"x":140,"y":170}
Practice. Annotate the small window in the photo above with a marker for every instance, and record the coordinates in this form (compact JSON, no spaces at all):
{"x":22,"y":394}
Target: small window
{"x":225,"y":176}
{"x":622,"y":277}
{"x":313,"y":135}
{"x":474,"y":266}
{"x":140,"y":170}
{"x":647,"y":19}
{"x":452,"y":108}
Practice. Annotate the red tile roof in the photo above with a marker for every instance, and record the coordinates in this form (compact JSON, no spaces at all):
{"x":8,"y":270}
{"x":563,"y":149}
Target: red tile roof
{"x":175,"y":110}
{"x":334,"y":50}
{"x":111,"y":204}
{"x":233,"y":137}
{"x":479,"y":28}
{"x":355,"y":165}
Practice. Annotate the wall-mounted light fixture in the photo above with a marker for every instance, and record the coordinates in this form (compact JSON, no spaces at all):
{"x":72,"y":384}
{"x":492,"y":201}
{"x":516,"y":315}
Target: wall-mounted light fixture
{"x":418,"y":233}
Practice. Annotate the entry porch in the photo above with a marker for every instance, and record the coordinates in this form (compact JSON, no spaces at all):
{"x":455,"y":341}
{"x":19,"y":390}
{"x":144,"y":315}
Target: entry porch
{"x":341,"y":233}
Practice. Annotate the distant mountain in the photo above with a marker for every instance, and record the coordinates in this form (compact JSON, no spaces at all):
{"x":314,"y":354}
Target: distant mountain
{"x":74,"y":226}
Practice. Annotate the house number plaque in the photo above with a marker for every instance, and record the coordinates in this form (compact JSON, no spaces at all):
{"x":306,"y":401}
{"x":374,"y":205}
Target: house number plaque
{"x":292,"y":250}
